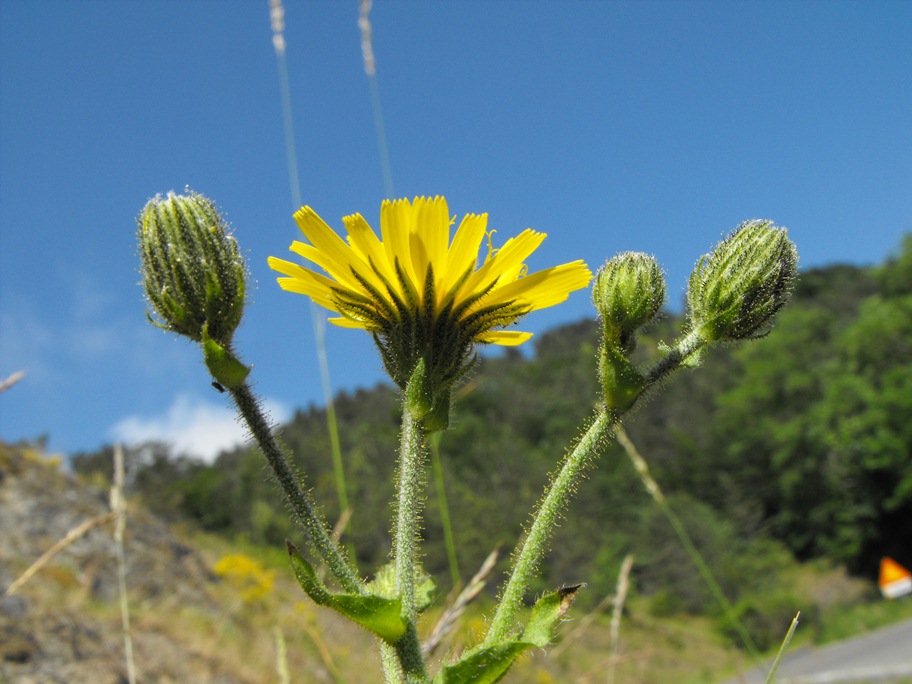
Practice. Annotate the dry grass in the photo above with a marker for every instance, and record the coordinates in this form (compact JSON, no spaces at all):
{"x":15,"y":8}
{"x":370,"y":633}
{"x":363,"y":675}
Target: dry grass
{"x":190,"y":624}
{"x":237,"y":636}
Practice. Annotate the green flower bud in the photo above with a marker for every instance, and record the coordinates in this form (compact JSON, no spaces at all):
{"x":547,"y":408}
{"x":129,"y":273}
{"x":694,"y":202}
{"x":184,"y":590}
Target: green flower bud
{"x":193,"y":272}
{"x":629,"y":291}
{"x":735,"y":292}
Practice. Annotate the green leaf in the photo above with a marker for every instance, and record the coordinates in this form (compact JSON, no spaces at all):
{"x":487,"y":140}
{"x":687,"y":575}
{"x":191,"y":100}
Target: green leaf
{"x":438,"y":418}
{"x":694,"y":360}
{"x":621,"y":382}
{"x":384,"y":584}
{"x":486,"y":666}
{"x":489,"y":665}
{"x":382,"y":616}
{"x":224,"y":366}
{"x":419,"y":392}
{"x":546,"y":613}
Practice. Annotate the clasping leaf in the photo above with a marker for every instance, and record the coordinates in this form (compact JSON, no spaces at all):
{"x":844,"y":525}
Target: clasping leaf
{"x":382,"y":616}
{"x":489,"y":665}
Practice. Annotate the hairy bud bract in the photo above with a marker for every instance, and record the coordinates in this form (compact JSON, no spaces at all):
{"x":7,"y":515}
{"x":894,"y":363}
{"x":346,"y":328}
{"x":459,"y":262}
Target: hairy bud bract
{"x":735,"y":291}
{"x":193,"y":272}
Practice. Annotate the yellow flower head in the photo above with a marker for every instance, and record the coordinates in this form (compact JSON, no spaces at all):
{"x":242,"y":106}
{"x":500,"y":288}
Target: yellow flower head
{"x":421,"y":295}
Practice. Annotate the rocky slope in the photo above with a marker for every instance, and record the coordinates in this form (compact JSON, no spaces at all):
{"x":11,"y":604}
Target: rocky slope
{"x":62,"y":625}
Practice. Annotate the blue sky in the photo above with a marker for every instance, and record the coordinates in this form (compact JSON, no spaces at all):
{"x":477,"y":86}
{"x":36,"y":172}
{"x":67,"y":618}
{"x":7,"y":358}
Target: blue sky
{"x":649,"y":126}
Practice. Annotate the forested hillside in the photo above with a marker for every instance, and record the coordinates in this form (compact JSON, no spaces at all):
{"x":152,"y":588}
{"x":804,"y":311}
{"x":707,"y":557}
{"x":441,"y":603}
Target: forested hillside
{"x":798,"y":446}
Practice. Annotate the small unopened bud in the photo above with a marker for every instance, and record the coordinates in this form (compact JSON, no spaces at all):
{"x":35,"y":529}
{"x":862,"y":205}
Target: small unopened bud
{"x":629,"y":291}
{"x":735,"y":292}
{"x":193,"y":272}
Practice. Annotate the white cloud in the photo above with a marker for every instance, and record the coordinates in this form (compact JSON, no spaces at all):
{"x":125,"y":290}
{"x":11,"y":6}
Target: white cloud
{"x":192,"y":427}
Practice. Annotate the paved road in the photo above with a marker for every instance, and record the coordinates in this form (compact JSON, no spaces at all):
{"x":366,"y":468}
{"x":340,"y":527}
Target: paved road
{"x":881,"y":656}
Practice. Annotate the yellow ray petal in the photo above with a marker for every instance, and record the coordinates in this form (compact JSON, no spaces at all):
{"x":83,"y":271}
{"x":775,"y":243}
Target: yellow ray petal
{"x":545,"y":288}
{"x":510,"y":256}
{"x":330,"y":251}
{"x":304,"y":281}
{"x":395,"y":227}
{"x":320,"y":234}
{"x":361,"y":237}
{"x":289,"y":268}
{"x":416,"y":235}
{"x":506,"y":338}
{"x":516,"y":250}
{"x":429,"y":237}
{"x":418,"y":238}
{"x":366,"y":244}
{"x":344,"y":322}
{"x":464,"y":250}
{"x":299,"y":286}
{"x":340,"y":271}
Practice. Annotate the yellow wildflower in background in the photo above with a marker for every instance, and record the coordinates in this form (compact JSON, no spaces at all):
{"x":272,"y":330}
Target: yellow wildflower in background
{"x":246,"y":575}
{"x":421,"y":295}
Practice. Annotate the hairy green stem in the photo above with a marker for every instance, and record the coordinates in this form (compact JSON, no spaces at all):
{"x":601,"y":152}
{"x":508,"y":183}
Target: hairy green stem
{"x":408,"y":510}
{"x":535,"y":544}
{"x":536,"y":541}
{"x":408,"y":650}
{"x":689,"y":345}
{"x":389,"y":660}
{"x":405,"y":546}
{"x":301,"y":506}
{"x":403,"y":663}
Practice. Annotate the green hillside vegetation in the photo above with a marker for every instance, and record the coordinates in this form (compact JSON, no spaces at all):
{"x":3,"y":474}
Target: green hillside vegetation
{"x":208,"y":609}
{"x":795,"y":449}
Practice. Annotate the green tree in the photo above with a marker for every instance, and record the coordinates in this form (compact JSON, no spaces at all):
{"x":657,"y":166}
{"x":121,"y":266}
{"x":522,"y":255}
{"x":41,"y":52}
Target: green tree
{"x":815,"y":441}
{"x":866,"y":416}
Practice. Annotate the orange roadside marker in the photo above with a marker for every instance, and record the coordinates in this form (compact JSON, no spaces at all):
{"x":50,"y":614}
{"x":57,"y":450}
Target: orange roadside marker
{"x":895,"y":580}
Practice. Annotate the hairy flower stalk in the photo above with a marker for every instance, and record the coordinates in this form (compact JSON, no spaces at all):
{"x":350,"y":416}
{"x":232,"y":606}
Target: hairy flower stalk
{"x":530,"y":551}
{"x":734,"y":294}
{"x":428,"y":303}
{"x":195,"y":280}
{"x":628,"y":293}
